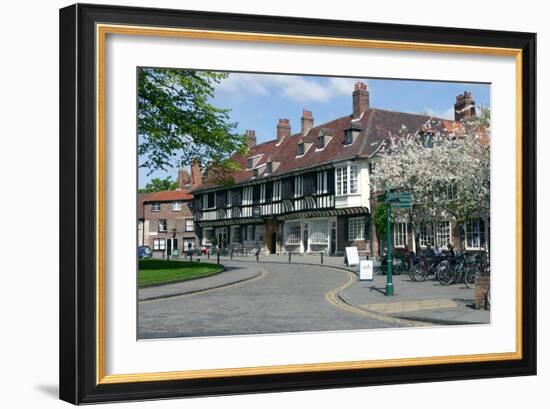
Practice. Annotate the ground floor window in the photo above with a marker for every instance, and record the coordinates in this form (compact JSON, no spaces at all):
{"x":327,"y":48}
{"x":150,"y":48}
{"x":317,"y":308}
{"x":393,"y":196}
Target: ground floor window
{"x":443,"y":233}
{"x":188,"y":244}
{"x":356,"y":228}
{"x":318,"y":232}
{"x":293,"y":233}
{"x":475,"y":234}
{"x":249,"y":232}
{"x":235,"y":235}
{"x":207,"y":236}
{"x":426,"y":236}
{"x":259,"y":231}
{"x":400,"y":234}
{"x":159,"y":244}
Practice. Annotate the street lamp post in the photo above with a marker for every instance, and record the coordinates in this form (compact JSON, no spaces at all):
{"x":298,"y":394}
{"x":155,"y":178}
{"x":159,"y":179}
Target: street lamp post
{"x":389,"y":259}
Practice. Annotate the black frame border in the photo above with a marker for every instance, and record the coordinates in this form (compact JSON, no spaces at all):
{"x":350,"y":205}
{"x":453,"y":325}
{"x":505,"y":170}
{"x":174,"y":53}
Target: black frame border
{"x":77,"y":285}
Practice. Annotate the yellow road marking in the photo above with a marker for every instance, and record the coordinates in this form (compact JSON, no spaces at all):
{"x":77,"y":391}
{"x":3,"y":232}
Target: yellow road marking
{"x":332,"y":297}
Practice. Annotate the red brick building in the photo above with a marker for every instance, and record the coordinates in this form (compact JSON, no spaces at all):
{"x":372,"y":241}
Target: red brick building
{"x":166,"y":221}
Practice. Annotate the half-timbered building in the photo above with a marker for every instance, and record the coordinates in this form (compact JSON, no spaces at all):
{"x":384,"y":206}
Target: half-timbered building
{"x":306,"y":192}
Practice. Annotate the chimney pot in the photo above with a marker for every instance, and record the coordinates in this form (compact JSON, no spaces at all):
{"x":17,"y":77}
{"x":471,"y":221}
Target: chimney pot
{"x":307,"y":122}
{"x":196,"y":176}
{"x":465,"y":106}
{"x":361,"y":99}
{"x":283,"y":130}
{"x":250,"y":137}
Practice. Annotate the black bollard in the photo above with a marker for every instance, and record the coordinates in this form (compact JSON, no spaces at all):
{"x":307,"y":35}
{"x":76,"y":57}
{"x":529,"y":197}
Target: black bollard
{"x":218,"y":257}
{"x":190,"y":256}
{"x":289,"y":256}
{"x":231,"y":255}
{"x":257,"y":256}
{"x":321,"y":257}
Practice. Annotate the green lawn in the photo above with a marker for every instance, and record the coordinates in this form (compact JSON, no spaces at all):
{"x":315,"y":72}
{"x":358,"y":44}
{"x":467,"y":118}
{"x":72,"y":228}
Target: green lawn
{"x":163,"y":271}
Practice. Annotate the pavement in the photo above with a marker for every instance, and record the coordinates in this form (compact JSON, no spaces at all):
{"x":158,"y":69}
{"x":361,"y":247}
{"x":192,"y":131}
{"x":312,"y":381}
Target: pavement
{"x":273,"y":296}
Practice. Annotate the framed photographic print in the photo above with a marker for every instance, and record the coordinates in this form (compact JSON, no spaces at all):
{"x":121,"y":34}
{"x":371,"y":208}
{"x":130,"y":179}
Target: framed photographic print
{"x":258,"y":203}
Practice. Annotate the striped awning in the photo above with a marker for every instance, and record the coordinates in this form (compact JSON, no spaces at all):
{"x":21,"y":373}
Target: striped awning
{"x":323,"y":213}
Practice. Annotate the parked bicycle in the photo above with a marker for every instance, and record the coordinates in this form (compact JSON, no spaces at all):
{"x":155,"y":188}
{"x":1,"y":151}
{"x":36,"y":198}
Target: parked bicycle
{"x":462,"y":268}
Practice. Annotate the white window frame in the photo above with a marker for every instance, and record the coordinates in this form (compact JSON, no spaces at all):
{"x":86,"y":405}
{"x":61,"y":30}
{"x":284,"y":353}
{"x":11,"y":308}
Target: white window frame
{"x":205,"y":201}
{"x":322,"y":182}
{"x":316,"y":230}
{"x":176,"y":206}
{"x":346,"y":178}
{"x":298,"y":186}
{"x":247,"y":195}
{"x":229,"y":199}
{"x":468,"y":231}
{"x":356,"y":228}
{"x":159,"y":244}
{"x":291,"y":228}
{"x":426,"y":235}
{"x":232,"y":230}
{"x":187,"y":225}
{"x":262,"y":193}
{"x":276,"y":190}
{"x":155,"y":207}
{"x":440,"y":235}
{"x":161,"y":230}
{"x":205,"y":240}
{"x":399,"y":234}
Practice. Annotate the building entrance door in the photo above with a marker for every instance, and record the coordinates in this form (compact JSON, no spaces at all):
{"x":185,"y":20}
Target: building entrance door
{"x":333,"y":238}
{"x":222,"y":237}
{"x":273,"y":243}
{"x":305,"y":238}
{"x":172,"y":244}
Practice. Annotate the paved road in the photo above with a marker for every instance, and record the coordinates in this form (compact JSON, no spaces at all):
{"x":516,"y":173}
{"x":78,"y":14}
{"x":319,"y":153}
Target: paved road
{"x":282,"y":299}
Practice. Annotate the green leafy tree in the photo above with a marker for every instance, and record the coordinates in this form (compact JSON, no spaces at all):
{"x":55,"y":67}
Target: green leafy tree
{"x":159,"y":185}
{"x":177,"y":124}
{"x":379,"y":218}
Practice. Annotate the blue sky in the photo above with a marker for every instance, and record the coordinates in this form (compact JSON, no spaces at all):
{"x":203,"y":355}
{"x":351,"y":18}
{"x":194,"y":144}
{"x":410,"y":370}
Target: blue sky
{"x":257,"y":101}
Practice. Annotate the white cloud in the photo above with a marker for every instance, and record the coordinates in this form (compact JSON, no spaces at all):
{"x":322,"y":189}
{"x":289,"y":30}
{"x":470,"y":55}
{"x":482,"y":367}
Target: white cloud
{"x":446,"y":114}
{"x":299,"y":88}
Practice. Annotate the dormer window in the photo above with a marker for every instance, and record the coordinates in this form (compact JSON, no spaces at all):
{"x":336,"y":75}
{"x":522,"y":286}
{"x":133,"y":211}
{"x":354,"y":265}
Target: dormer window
{"x":256,"y":173}
{"x":320,"y":141}
{"x":250,"y":163}
{"x":301,"y":149}
{"x":348,"y":137}
{"x":269,"y":167}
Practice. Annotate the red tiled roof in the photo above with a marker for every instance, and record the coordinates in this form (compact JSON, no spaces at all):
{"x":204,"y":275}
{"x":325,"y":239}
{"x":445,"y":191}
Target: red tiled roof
{"x":167,"y":196}
{"x":376,"y":126}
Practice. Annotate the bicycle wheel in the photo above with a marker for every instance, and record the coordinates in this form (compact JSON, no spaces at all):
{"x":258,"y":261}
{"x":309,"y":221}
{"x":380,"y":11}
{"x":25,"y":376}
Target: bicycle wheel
{"x":420,"y":271}
{"x":470,"y":277}
{"x":445,"y":273}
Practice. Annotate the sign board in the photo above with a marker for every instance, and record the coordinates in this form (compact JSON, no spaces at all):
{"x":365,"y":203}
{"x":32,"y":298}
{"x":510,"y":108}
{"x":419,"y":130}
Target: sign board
{"x":366,"y":270}
{"x":352,"y":256}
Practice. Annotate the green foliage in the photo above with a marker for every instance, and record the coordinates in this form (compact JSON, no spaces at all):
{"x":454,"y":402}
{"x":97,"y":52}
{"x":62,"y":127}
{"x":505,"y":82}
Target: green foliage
{"x":379,"y":218}
{"x":159,"y":185}
{"x":177,"y":124}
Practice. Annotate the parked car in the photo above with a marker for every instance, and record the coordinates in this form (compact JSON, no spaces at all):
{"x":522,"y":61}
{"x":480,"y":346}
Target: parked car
{"x":145,"y":252}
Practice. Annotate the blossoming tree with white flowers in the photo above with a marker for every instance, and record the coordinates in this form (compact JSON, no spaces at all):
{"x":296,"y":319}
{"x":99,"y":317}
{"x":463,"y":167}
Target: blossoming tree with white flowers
{"x":447,"y":174}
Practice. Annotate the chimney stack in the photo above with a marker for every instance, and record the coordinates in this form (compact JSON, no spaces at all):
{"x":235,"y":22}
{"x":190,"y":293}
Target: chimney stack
{"x":360,"y":99}
{"x":250,"y":137}
{"x":307,"y":121}
{"x":196,"y":177}
{"x":283,"y":130}
{"x":465,"y":106}
{"x":184,"y":179}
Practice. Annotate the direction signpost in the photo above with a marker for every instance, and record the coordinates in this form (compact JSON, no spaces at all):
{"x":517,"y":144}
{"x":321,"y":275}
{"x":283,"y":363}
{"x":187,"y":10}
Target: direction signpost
{"x":397,"y":200}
